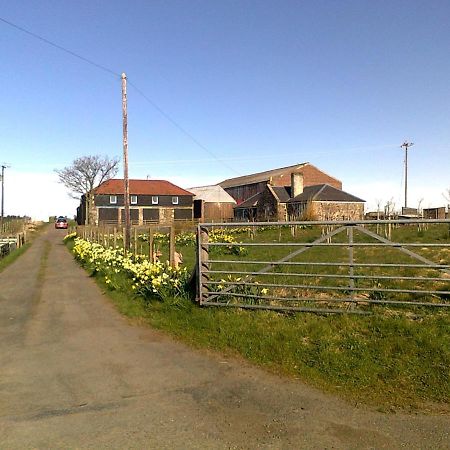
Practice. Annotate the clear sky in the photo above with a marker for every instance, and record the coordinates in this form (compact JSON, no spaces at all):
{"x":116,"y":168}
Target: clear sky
{"x":257,"y":84}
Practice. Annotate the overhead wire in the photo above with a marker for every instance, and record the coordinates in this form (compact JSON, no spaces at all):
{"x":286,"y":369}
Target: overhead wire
{"x":60,"y":47}
{"x":116,"y":74}
{"x":180,"y":128}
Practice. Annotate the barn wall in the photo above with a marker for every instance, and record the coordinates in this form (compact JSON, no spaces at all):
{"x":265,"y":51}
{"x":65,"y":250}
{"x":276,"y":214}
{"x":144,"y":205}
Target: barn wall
{"x":217,"y":212}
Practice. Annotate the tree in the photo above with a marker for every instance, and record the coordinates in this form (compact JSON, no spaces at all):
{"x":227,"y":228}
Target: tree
{"x":84,"y":175}
{"x":446,"y":195}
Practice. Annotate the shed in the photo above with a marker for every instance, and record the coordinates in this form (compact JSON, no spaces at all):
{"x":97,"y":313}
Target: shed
{"x":212,"y":204}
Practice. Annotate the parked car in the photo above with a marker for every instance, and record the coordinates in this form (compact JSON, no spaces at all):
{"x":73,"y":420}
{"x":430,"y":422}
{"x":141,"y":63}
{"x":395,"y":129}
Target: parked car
{"x":61,"y":223}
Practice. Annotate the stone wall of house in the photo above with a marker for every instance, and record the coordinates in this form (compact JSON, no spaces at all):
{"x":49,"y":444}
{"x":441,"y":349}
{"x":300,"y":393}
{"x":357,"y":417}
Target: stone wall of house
{"x":338,"y":210}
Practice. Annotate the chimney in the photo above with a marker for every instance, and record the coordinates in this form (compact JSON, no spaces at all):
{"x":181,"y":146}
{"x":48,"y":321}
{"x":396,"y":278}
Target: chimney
{"x":296,"y":184}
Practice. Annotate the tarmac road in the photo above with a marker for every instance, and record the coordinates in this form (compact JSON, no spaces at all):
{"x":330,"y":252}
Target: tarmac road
{"x":76,"y":374}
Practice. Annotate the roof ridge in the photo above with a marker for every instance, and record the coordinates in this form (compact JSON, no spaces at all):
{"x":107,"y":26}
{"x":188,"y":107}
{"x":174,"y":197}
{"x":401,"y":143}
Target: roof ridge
{"x":255,"y":174}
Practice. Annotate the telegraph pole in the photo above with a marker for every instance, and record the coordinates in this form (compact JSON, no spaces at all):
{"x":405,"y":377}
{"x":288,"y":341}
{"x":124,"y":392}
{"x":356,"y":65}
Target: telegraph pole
{"x":3,"y":196}
{"x":406,"y":145}
{"x":126,"y":197}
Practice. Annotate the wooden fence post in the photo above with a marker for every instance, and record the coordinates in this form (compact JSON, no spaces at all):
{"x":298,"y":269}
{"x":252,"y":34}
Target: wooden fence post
{"x":202,"y":263}
{"x":150,"y":244}
{"x":172,"y":246}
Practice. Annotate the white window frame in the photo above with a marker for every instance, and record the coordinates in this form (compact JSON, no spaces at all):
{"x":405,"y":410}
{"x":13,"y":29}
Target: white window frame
{"x":155,"y":199}
{"x":133,"y":199}
{"x":175,"y":200}
{"x":113,"y":199}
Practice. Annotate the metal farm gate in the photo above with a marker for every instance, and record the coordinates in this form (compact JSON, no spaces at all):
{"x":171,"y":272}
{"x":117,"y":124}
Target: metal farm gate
{"x":325,"y":267}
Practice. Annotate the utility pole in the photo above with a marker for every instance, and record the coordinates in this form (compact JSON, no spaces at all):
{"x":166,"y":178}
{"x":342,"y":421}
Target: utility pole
{"x":3,"y":196}
{"x":126,"y":197}
{"x":406,"y":145}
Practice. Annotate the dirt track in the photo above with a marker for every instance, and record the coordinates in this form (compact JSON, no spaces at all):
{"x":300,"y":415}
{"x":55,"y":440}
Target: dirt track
{"x":75,"y":374}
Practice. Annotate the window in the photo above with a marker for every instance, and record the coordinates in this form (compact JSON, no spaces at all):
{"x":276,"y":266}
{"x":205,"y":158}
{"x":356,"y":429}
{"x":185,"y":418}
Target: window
{"x":133,"y":200}
{"x":113,"y":199}
{"x":174,"y":200}
{"x":154,"y":200}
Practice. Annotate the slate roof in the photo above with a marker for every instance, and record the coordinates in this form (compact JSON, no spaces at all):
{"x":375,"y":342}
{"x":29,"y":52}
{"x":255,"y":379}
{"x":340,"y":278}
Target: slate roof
{"x":260,"y":176}
{"x":283,"y":193}
{"x":212,"y":194}
{"x":141,"y":187}
{"x":325,"y":193}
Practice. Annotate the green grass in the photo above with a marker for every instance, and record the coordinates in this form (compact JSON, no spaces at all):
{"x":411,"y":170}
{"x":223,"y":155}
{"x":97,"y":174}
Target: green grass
{"x":11,"y":257}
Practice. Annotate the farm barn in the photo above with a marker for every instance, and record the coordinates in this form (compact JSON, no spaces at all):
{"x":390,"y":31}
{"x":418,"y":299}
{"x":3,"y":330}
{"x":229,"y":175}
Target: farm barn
{"x":242,"y":188}
{"x":297,"y":202}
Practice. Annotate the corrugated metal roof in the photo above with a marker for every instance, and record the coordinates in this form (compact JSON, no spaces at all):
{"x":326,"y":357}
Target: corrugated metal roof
{"x":325,"y":193}
{"x":212,"y":194}
{"x":141,"y":187}
{"x":260,"y":176}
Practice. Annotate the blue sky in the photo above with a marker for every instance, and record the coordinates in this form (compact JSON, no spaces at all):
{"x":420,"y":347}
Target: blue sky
{"x":259,"y":84}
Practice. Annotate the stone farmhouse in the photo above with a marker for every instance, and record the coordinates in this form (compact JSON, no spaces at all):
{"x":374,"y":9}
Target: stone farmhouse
{"x":151,"y":201}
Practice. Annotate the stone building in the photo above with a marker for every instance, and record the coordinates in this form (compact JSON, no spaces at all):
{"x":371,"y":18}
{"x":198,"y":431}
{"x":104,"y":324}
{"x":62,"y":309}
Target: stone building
{"x":297,"y":202}
{"x":244,"y":187}
{"x":151,"y":201}
{"x":324,"y":202}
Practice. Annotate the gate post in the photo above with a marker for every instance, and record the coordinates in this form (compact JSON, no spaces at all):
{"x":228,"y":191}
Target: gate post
{"x":202,"y":263}
{"x":351,"y":260}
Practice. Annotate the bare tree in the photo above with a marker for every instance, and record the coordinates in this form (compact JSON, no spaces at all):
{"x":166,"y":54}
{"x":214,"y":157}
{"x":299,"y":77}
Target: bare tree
{"x":84,"y":175}
{"x":446,"y":195}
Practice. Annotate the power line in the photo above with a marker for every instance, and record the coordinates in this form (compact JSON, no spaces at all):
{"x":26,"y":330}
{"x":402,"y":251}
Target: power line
{"x":180,"y":128}
{"x":106,"y":69}
{"x":60,"y":47}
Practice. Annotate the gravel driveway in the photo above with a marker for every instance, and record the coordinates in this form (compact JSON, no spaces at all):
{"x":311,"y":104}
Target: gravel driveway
{"x":76,"y":374}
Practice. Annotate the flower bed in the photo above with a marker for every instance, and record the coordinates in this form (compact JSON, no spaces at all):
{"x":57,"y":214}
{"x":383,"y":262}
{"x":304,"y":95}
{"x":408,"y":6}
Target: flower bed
{"x":145,"y":278}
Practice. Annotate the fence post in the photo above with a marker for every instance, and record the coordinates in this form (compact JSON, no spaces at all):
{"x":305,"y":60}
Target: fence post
{"x":172,"y":246}
{"x":150,"y":244}
{"x":135,"y":240}
{"x":115,"y":237}
{"x":202,"y":263}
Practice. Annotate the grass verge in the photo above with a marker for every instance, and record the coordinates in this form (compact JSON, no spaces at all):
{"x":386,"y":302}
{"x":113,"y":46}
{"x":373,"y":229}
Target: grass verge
{"x":390,"y":360}
{"x":11,"y":257}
